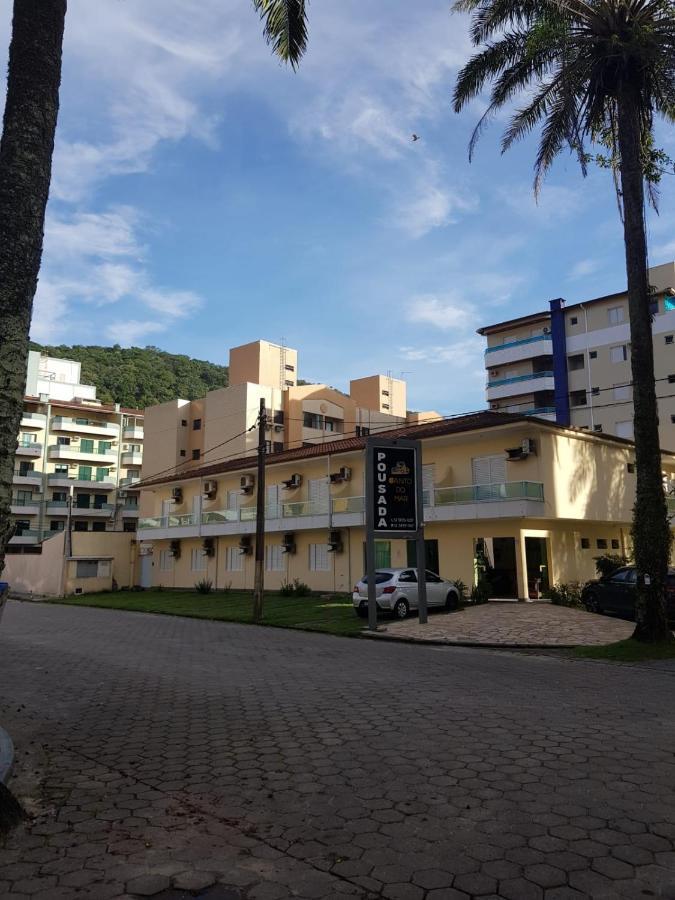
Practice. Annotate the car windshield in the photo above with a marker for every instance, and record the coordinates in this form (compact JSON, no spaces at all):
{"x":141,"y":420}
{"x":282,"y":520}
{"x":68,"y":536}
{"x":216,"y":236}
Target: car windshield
{"x":380,"y":577}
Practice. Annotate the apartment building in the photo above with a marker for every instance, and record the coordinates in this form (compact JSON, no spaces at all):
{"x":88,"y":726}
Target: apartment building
{"x":77,"y":460}
{"x":571,"y":363}
{"x":527,"y":500}
{"x":185,"y":434}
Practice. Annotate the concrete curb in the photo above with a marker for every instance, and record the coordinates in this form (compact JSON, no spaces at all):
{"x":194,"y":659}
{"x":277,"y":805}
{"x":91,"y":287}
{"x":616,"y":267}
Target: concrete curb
{"x":476,"y":645}
{"x":6,"y":756}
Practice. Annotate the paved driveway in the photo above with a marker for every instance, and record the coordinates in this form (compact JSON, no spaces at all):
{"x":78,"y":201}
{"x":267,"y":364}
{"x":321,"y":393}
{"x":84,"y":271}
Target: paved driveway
{"x":285,"y":764}
{"x":523,"y":624}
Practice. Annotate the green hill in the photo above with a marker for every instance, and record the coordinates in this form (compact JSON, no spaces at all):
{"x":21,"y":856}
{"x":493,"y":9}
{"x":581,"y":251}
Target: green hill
{"x":141,"y":376}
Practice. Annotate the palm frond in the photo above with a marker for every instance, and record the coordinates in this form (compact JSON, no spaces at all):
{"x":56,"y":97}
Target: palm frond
{"x":285,"y":28}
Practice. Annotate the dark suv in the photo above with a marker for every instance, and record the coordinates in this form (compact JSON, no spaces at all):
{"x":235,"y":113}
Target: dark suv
{"x":615,"y":594}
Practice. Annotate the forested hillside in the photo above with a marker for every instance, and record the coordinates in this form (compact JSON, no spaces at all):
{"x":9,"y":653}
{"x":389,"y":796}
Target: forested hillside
{"x":139,"y":377}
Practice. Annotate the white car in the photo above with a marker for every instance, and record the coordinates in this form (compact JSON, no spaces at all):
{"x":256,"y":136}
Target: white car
{"x":396,"y":592}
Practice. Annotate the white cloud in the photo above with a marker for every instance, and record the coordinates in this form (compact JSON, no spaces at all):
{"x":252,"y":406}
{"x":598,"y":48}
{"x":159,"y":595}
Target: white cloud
{"x":130,"y":332}
{"x":107,"y":234}
{"x":441,"y":312}
{"x":584,"y":268}
{"x":554,"y":203}
{"x":174,"y":304}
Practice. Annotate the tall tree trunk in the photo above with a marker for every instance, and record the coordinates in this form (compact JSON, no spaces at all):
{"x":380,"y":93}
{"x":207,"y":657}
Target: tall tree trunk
{"x":26,"y":148}
{"x":651,"y":528}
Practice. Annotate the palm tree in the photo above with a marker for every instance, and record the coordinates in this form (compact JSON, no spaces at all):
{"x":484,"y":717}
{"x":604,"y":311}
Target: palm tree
{"x":594,"y":70}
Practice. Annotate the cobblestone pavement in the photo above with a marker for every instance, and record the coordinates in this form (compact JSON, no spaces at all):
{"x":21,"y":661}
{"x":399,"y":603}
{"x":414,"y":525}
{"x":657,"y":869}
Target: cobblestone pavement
{"x":161,"y":752}
{"x":539,"y":624}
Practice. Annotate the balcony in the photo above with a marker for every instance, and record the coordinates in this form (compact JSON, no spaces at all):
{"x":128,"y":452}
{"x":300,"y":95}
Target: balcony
{"x":542,"y":412}
{"x":131,"y":458}
{"x":33,"y":420}
{"x":57,"y":507}
{"x":68,"y":424}
{"x":516,"y":351}
{"x":102,"y":510}
{"x":60,"y":479}
{"x":21,"y":506}
{"x":520,"y":384}
{"x":486,"y":501}
{"x":129,"y":481}
{"x":132,"y":433}
{"x":130,"y":512}
{"x":27,"y":536}
{"x":71,"y":451}
{"x":29,"y":448}
{"x":27,"y":478}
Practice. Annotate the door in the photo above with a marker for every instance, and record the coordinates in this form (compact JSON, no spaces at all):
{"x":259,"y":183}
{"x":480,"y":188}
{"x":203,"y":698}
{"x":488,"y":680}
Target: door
{"x":536,"y":560}
{"x":319,"y":496}
{"x":146,"y":571}
{"x":407,"y":585}
{"x":273,"y":510}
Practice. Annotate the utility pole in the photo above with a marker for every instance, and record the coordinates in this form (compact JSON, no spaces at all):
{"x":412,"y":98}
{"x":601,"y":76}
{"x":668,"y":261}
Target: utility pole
{"x":259,"y":582}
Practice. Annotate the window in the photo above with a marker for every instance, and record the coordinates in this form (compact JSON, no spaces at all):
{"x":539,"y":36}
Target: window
{"x":630,"y":468}
{"x":59,"y":496}
{"x":574,"y":363}
{"x":671,"y":379}
{"x":289,"y":368}
{"x":625,"y":429}
{"x":601,"y":544}
{"x":100,"y":501}
{"x":196,"y":454}
{"x":98,"y":526}
{"x":279,"y":417}
{"x":578,"y":398}
{"x":615,"y":544}
{"x":165,"y":561}
{"x":318,"y":558}
{"x":56,"y":525}
{"x":234,"y":560}
{"x":621,"y":392}
{"x":274,"y":558}
{"x":362,"y":431}
{"x":84,"y":473}
{"x":86,"y":445}
{"x":198,"y":561}
{"x":595,"y":391}
{"x":385,"y":393}
{"x":197,"y":425}
{"x":22,"y":525}
{"x":382,"y":554}
{"x":80,"y":526}
{"x":289,"y":383}
{"x":182,"y":452}
{"x":82,"y":501}
{"x":574,"y":320}
{"x":58,"y":470}
{"x":615,"y":315}
{"x":385,"y":406}
{"x":87,"y":568}
{"x":131,"y":502}
{"x":585,"y":544}
{"x":277,"y":446}
{"x":62,"y":441}
{"x":129,"y":525}
{"x":101,"y":473}
{"x":593,"y":354}
{"x":619,"y":353}
{"x":25,"y":468}
{"x":312,"y":420}
{"x":183,"y":423}
{"x":669,"y":303}
{"x":668,"y":339}
{"x":597,"y":428}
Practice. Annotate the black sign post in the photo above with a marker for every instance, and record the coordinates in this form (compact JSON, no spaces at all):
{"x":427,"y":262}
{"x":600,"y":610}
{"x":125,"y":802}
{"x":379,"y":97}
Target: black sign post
{"x":394,"y":508}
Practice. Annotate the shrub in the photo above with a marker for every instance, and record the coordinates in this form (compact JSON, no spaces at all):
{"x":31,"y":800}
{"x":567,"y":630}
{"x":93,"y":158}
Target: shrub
{"x":568,"y":594}
{"x":227,"y":587}
{"x":295,"y":588}
{"x":609,"y":562}
{"x":462,"y":589}
{"x":205,"y":586}
{"x":287,"y":589}
{"x":480,"y":592}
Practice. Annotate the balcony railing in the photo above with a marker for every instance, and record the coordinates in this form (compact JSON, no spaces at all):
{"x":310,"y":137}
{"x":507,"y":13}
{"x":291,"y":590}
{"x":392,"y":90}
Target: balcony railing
{"x":520,"y":343}
{"x":129,"y":480}
{"x":167,"y":522}
{"x":25,"y":501}
{"x":348,"y":505}
{"x":540,"y":411}
{"x":516,"y":378}
{"x":70,"y":449}
{"x":69,"y":422}
{"x":489,"y":493}
{"x":27,"y":473}
{"x":303,"y":508}
{"x":220,"y":516}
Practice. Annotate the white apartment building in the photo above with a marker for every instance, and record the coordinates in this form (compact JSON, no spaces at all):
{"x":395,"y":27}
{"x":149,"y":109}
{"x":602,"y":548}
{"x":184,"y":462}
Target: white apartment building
{"x":571,"y":363}
{"x":77,"y":459}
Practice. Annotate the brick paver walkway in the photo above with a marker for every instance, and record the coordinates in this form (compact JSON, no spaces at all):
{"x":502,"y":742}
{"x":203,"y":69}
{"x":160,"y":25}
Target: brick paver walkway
{"x":537,"y":624}
{"x":156,"y":750}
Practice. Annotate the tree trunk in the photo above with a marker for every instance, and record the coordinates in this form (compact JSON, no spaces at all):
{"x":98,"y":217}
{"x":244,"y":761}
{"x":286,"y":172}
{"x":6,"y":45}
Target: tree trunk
{"x":651,"y":528}
{"x":26,"y":148}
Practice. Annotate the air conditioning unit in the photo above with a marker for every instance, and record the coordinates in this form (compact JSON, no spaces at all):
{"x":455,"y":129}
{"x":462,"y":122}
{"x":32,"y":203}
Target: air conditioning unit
{"x":247,"y":482}
{"x":177,"y":495}
{"x":245,"y":544}
{"x":278,"y":427}
{"x":122,"y":494}
{"x":174,"y":549}
{"x":546,"y":330}
{"x":125,"y":446}
{"x":494,"y":406}
{"x":494,"y":373}
{"x":526,"y":448}
{"x":343,"y":474}
{"x":292,"y":483}
{"x":209,"y":547}
{"x":210,"y":489}
{"x":288,"y":543}
{"x":335,"y":542}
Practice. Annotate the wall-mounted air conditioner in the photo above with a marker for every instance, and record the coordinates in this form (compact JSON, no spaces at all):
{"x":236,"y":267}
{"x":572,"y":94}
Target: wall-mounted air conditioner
{"x":526,"y":448}
{"x":343,"y":474}
{"x":245,"y":544}
{"x":174,"y":549}
{"x":177,"y":494}
{"x":247,"y":482}
{"x":293,"y":482}
{"x":494,"y":373}
{"x":288,"y":543}
{"x":546,"y":330}
{"x":335,"y":542}
{"x":494,"y":406}
{"x":209,"y":547}
{"x":210,"y":489}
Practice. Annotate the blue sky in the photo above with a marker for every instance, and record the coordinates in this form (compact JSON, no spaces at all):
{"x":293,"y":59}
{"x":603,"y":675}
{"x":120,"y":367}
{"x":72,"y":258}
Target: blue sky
{"x":205,"y":196}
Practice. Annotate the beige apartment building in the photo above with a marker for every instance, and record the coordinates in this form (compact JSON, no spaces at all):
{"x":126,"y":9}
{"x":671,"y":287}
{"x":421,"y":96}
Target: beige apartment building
{"x":78,"y":460}
{"x":571,"y":363}
{"x":185,"y":434}
{"x":528,"y":500}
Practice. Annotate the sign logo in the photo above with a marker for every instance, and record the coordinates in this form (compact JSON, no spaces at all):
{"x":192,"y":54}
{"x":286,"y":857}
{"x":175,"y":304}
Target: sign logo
{"x":395,"y":494}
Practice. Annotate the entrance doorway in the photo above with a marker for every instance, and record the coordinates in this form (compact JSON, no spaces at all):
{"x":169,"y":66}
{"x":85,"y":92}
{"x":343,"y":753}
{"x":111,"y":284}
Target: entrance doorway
{"x":495,"y":566}
{"x":146,"y":570}
{"x":430,"y":553}
{"x":536,"y":556}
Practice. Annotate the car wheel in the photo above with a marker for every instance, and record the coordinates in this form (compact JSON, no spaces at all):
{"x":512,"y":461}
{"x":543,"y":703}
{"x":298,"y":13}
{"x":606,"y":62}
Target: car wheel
{"x":361,"y":612}
{"x":401,"y":609}
{"x":592,"y":604}
{"x":451,"y":601}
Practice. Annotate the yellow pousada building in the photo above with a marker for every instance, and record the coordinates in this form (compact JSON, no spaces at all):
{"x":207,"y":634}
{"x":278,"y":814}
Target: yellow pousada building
{"x":530,"y":500}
